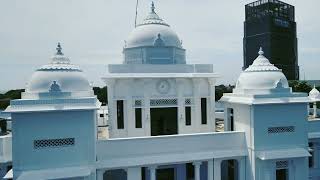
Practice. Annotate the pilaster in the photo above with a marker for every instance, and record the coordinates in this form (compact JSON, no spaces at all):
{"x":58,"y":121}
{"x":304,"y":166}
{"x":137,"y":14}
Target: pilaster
{"x":197,"y":165}
{"x":152,"y":170}
{"x":217,"y":169}
{"x":112,"y":108}
{"x":181,"y":109}
{"x":210,"y":169}
{"x":196,"y":112}
{"x":211,"y":100}
{"x":134,"y":173}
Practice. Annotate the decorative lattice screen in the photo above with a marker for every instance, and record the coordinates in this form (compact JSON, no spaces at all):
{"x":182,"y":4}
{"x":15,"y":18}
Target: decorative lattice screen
{"x":283,"y":129}
{"x":282,"y":164}
{"x":163,"y":102}
{"x":138,"y":103}
{"x":188,"y":102}
{"x":45,"y":143}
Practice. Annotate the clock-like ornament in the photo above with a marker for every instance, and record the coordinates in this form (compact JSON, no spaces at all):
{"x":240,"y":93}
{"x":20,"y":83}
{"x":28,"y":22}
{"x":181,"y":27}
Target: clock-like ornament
{"x":163,"y":86}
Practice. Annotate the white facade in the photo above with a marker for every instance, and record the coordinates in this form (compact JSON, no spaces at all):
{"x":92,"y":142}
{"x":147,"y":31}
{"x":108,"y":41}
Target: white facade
{"x":161,"y":120}
{"x":274,"y":120}
{"x":54,"y":124}
{"x":164,"y":88}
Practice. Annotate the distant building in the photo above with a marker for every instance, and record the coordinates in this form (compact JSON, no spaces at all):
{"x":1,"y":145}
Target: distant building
{"x":271,"y":24}
{"x":313,"y":82}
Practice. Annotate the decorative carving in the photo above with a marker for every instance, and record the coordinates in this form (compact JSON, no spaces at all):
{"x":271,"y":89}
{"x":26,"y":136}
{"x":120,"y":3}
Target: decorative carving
{"x":159,"y":41}
{"x":54,"y":87}
{"x":163,"y":86}
{"x":279,"y":84}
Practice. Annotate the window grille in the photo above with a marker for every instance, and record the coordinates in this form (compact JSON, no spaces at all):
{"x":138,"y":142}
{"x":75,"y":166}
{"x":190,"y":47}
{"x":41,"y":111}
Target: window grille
{"x":163,"y":102}
{"x":138,"y":103}
{"x":188,"y":101}
{"x":282,"y":164}
{"x":283,"y":129}
{"x":44,"y":143}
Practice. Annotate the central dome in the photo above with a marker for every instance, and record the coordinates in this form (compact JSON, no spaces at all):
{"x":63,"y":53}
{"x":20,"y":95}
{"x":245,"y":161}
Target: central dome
{"x":146,"y":33}
{"x":153,"y":42}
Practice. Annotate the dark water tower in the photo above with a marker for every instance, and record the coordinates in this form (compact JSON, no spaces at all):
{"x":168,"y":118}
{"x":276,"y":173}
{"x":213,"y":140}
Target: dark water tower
{"x":271,"y":25}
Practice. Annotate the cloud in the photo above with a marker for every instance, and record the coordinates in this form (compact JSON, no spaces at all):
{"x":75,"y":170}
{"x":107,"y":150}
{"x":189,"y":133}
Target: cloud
{"x":93,"y":32}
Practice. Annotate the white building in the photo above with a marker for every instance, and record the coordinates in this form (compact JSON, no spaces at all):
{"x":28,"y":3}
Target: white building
{"x":161,"y":120}
{"x":54,"y":124}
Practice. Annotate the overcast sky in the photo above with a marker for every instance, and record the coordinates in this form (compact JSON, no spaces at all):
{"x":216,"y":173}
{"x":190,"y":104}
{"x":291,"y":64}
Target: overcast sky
{"x":92,"y":33}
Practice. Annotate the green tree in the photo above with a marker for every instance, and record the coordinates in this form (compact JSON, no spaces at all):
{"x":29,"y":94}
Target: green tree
{"x":101,"y":94}
{"x":221,"y":89}
{"x":300,"y":86}
{"x":10,"y":95}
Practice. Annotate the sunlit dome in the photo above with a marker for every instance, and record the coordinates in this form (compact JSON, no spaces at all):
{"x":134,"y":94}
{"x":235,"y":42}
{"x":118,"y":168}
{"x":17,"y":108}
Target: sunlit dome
{"x":60,"y":75}
{"x":314,"y":93}
{"x":262,"y":77}
{"x":151,"y":29}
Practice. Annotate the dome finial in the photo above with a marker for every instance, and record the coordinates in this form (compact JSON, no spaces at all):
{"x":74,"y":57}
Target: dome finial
{"x":260,"y":51}
{"x":152,"y":7}
{"x":59,"y":49}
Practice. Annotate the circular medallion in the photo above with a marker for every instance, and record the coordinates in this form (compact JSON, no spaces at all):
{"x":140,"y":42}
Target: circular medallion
{"x":163,"y":86}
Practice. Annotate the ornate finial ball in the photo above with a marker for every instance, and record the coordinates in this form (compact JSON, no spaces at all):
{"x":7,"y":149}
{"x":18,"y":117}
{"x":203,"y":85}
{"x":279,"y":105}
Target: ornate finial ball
{"x":261,"y":51}
{"x":152,"y":6}
{"x":59,"y":49}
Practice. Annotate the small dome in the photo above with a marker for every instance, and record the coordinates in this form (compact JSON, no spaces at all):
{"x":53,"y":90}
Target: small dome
{"x":262,"y":75}
{"x":146,"y":33}
{"x":59,"y":74}
{"x":314,"y":93}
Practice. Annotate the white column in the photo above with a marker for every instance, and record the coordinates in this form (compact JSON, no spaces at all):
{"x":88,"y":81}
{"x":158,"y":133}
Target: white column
{"x":315,"y":109}
{"x":217,"y":169}
{"x":197,"y":170}
{"x":147,"y":117}
{"x":242,"y":168}
{"x":292,"y":169}
{"x":112,"y":108}
{"x":134,"y":173}
{"x":152,"y":170}
{"x":210,"y":169}
{"x":100,"y":174}
{"x":268,"y":175}
{"x":316,"y":156}
{"x":130,"y":117}
{"x":269,"y":170}
{"x":211,"y":100}
{"x":226,"y":119}
{"x":181,"y":109}
{"x":196,"y":112}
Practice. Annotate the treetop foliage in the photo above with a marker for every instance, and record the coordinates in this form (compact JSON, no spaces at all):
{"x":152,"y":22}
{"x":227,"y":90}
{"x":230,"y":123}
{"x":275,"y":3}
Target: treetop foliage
{"x":102,"y":94}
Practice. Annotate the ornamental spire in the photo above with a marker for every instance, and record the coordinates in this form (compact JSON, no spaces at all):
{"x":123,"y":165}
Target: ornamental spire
{"x":260,"y":51}
{"x":152,"y":7}
{"x":59,"y":49}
